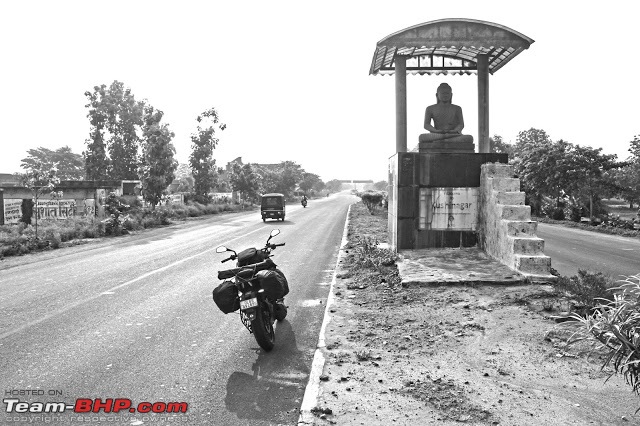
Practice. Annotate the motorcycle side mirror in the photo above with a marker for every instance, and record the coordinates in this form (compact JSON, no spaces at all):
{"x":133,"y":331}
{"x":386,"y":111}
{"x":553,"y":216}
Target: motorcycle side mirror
{"x":221,"y":249}
{"x":274,"y":233}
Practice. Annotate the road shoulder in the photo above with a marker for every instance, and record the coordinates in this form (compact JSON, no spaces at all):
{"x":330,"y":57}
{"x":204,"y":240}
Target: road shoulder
{"x":451,"y":354}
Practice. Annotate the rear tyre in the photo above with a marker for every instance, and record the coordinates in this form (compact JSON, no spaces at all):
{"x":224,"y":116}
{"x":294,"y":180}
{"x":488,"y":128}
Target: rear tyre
{"x":262,"y":328}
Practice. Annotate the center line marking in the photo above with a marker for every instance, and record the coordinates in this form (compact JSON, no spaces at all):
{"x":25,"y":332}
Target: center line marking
{"x":89,"y":299}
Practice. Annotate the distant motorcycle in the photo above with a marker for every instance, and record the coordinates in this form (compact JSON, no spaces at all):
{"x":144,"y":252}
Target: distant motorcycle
{"x":257,"y":290}
{"x":304,"y":202}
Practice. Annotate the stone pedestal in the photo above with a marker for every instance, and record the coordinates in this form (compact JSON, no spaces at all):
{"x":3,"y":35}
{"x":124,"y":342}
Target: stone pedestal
{"x":440,"y":147}
{"x":416,"y":181}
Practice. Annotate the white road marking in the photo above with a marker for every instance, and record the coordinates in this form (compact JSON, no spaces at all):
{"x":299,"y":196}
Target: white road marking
{"x":112,"y":289}
{"x":313,"y":387}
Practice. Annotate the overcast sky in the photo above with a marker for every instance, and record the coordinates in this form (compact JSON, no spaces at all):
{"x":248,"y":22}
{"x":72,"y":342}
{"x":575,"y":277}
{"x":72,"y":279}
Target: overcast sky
{"x":290,"y":78}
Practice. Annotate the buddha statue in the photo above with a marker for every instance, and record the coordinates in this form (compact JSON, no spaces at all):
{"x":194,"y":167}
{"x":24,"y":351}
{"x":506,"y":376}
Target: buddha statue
{"x":447,"y":119}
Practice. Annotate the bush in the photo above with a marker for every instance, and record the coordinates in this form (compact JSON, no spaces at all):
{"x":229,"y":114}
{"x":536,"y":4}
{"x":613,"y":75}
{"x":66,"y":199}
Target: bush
{"x":589,"y":289}
{"x":368,"y":254}
{"x":53,"y":237}
{"x":372,"y":199}
{"x":20,"y":239}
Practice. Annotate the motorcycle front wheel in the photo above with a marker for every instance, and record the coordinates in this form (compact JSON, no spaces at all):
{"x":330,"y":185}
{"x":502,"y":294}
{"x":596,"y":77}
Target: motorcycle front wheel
{"x":262,"y":328}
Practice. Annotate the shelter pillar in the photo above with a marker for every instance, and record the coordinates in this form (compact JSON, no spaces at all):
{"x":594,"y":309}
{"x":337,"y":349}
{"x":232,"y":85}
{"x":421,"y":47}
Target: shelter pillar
{"x":401,"y":103}
{"x":483,"y":103}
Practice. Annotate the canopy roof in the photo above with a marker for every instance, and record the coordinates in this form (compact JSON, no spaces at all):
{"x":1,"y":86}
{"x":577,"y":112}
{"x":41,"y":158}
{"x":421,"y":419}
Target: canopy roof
{"x":449,"y":46}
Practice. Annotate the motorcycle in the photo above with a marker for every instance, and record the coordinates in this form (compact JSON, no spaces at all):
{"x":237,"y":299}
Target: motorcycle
{"x":304,"y":203}
{"x":257,"y":289}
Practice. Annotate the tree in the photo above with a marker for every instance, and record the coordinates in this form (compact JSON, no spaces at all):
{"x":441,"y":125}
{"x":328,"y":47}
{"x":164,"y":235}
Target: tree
{"x":183,"y":175}
{"x":69,"y":166}
{"x":40,"y":179}
{"x":242,"y":178}
{"x":158,"y":165}
{"x":203,"y":142}
{"x":531,"y":137}
{"x":96,"y":161}
{"x":309,"y":180}
{"x":116,"y":121}
{"x":334,"y":185}
{"x":627,"y":177}
{"x":318,"y":186}
{"x":269,"y":180}
{"x":290,"y":174}
{"x":500,"y":147}
{"x":586,"y":173}
{"x":634,"y":148}
{"x":539,"y":164}
{"x":561,"y":170}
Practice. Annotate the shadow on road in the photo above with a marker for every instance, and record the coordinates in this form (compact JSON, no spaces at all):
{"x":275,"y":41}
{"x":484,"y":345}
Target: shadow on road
{"x":274,"y":391}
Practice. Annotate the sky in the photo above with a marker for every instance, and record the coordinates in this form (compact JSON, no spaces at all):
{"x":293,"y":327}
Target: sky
{"x":290,"y":79}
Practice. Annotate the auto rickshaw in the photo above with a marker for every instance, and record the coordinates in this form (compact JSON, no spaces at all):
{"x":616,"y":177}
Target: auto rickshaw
{"x":272,"y":206}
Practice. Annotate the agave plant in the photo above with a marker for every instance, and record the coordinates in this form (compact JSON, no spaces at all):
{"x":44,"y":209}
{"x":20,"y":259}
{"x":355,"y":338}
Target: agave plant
{"x":614,"y":327}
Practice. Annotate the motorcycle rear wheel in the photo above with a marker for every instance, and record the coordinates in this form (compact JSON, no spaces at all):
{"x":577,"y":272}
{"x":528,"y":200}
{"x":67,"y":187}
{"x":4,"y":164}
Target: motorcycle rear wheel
{"x":262,"y":328}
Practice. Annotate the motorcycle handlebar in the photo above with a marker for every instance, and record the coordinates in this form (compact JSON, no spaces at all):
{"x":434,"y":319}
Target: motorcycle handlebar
{"x":260,"y":266}
{"x":227,"y":259}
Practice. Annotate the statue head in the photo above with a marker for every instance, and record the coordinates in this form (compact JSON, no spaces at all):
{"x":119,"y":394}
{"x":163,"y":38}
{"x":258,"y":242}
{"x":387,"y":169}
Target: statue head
{"x":444,"y":94}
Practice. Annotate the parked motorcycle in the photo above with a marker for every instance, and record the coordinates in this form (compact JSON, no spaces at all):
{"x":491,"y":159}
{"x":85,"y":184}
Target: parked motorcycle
{"x":257,"y":289}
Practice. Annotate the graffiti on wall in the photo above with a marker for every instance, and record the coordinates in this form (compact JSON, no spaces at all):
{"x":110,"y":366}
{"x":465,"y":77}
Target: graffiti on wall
{"x":55,"y":209}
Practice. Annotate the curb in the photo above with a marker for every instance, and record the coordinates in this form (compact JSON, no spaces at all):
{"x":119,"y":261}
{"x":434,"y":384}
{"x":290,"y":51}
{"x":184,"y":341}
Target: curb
{"x":313,"y":387}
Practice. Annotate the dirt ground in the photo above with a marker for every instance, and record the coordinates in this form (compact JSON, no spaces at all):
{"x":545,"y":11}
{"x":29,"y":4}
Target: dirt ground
{"x":444,"y":355}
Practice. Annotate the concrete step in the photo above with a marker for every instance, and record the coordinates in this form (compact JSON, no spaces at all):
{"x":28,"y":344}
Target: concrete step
{"x":532,"y":246}
{"x":514,"y":212}
{"x":504,"y":184}
{"x":513,"y":198}
{"x":519,"y":228}
{"x":539,"y":265}
{"x":498,"y":170}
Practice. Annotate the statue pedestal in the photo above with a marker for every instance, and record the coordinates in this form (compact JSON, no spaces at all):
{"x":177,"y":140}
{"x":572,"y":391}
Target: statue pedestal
{"x":447,"y":147}
{"x":433,"y":196}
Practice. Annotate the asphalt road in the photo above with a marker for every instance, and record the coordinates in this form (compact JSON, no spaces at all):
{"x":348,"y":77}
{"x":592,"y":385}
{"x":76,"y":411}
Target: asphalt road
{"x":133,"y":318}
{"x":571,"y":249}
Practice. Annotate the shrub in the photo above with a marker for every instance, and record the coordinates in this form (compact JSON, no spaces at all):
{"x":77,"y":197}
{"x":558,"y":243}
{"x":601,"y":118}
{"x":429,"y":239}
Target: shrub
{"x":372,"y":199}
{"x":20,"y":239}
{"x":589,"y":289}
{"x":368,"y":254}
{"x":193,"y":211}
{"x":53,"y":237}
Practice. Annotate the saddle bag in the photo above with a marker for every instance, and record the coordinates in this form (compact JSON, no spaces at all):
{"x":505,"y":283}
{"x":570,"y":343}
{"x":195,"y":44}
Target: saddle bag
{"x":274,"y":283}
{"x":226,"y":297}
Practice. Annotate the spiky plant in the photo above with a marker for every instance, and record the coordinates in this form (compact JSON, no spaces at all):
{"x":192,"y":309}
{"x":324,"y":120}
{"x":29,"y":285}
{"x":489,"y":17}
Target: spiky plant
{"x":614,"y":328}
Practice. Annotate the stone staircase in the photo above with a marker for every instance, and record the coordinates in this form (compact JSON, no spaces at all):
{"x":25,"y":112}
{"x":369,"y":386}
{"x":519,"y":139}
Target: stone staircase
{"x":506,"y":231}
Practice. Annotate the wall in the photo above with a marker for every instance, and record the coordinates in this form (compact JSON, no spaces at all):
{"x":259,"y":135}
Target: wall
{"x":79,"y":198}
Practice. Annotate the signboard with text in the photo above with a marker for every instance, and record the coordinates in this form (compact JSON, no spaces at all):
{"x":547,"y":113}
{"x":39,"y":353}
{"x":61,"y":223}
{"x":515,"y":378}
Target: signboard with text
{"x":451,"y":209}
{"x":12,"y":210}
